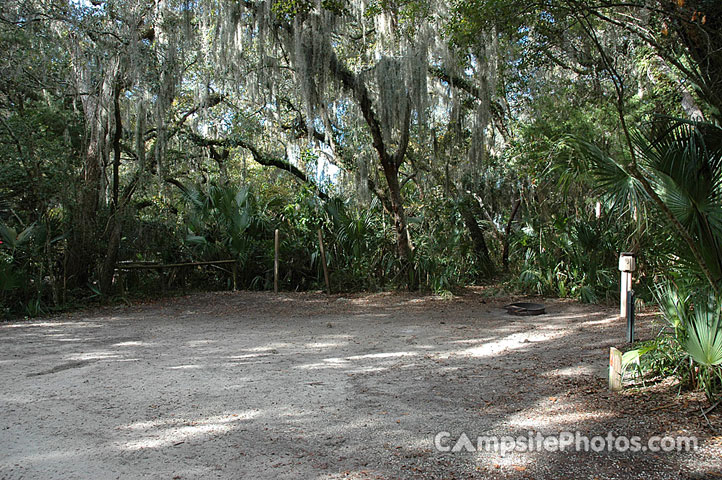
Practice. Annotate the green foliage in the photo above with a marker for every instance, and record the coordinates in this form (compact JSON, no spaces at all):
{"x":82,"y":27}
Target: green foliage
{"x":25,"y":269}
{"x":682,"y":162}
{"x":229,"y":222}
{"x":704,"y":340}
{"x":511,"y":85}
{"x":691,"y":346}
{"x":443,"y":265}
{"x":359,"y":252}
{"x":570,"y":258}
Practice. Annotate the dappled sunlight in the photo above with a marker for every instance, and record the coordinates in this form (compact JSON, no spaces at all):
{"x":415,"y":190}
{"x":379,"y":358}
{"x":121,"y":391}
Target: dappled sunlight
{"x":558,"y":316}
{"x":163,"y":433}
{"x":554,"y":419}
{"x":471,"y":341}
{"x":514,"y":341}
{"x":50,"y":456}
{"x":50,"y":324}
{"x":248,"y":355}
{"x":98,"y":355}
{"x":218,"y":419}
{"x":602,"y":321}
{"x":331,"y":363}
{"x":382,"y":355}
{"x":326,"y":344}
{"x":186,"y":367}
{"x":271,"y":347}
{"x":555,"y":414}
{"x":410,"y":329}
{"x":360,"y":474}
{"x":134,"y":344}
{"x":371,"y":316}
{"x":369,"y":369}
{"x":307,"y":398}
{"x":553,"y":326}
{"x":573,"y":371}
{"x":510,"y":464}
{"x":336,"y":362}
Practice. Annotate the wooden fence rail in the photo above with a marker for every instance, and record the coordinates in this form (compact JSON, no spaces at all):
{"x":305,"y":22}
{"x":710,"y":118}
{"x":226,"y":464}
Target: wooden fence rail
{"x":159,"y":267}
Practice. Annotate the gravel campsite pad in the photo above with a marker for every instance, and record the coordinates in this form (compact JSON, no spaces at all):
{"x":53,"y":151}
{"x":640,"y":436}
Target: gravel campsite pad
{"x":305,"y":386}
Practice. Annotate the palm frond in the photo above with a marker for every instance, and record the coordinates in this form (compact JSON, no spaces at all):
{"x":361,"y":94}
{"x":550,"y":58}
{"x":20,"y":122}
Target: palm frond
{"x":704,"y":343}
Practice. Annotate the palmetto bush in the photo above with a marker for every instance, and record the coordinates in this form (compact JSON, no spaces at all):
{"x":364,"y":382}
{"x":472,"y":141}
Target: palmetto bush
{"x":704,"y":346}
{"x":569,"y":258}
{"x":360,"y":247}
{"x":690,"y":345}
{"x":229,"y":222}
{"x":682,"y":162}
{"x":28,"y":284}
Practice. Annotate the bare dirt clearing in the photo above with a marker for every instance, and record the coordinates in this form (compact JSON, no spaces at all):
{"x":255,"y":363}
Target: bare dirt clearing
{"x":254,"y":385}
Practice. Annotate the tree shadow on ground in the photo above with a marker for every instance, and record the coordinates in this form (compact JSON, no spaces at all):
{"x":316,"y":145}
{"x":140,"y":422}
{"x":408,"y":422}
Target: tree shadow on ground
{"x":252,"y":385}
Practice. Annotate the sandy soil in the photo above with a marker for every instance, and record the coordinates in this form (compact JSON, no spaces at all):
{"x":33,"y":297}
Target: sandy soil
{"x":302,"y":386}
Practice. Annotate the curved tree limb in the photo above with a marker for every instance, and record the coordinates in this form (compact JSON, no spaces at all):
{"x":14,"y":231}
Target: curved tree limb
{"x":258,"y":156}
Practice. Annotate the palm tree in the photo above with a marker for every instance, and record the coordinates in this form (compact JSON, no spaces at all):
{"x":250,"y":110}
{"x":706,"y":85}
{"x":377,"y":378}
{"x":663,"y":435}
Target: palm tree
{"x":682,"y":163}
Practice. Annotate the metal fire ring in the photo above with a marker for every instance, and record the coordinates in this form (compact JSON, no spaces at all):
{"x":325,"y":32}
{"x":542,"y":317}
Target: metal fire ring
{"x":523,"y":309}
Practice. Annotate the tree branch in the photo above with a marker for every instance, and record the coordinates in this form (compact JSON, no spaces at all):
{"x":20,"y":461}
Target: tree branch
{"x":258,"y":156}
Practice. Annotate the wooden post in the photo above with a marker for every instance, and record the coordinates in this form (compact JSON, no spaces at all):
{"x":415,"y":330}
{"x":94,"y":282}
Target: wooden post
{"x":615,"y":369}
{"x":323,"y":262}
{"x":234,"y":270}
{"x":275,"y":264}
{"x":627,"y":264}
{"x":624,"y":288}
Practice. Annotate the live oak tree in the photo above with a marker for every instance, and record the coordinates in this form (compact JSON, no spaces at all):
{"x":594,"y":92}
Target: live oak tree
{"x":330,"y":69}
{"x":426,"y":107}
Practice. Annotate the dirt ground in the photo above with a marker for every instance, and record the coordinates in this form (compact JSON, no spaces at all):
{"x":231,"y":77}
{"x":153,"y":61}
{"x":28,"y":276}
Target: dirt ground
{"x":305,"y":386}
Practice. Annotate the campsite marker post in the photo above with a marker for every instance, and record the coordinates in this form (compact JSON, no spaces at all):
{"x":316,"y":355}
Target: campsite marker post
{"x":627,"y":265}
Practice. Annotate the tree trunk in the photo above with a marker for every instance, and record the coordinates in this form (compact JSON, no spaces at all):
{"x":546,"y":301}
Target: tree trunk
{"x":477,"y":237}
{"x":107,"y":270}
{"x":507,"y":235}
{"x":82,"y":249}
{"x":389,"y":162}
{"x":391,"y":173}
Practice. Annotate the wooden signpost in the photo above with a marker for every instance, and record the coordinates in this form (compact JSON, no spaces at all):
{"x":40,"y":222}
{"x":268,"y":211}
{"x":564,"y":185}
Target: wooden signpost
{"x":627,"y":265}
{"x":275,"y":263}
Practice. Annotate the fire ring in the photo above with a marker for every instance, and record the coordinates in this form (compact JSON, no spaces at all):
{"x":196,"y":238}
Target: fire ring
{"x":524,"y":309}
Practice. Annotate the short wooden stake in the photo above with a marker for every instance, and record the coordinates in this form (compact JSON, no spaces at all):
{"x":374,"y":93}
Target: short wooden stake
{"x":275,"y":263}
{"x":323,"y":262}
{"x":615,"y":369}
